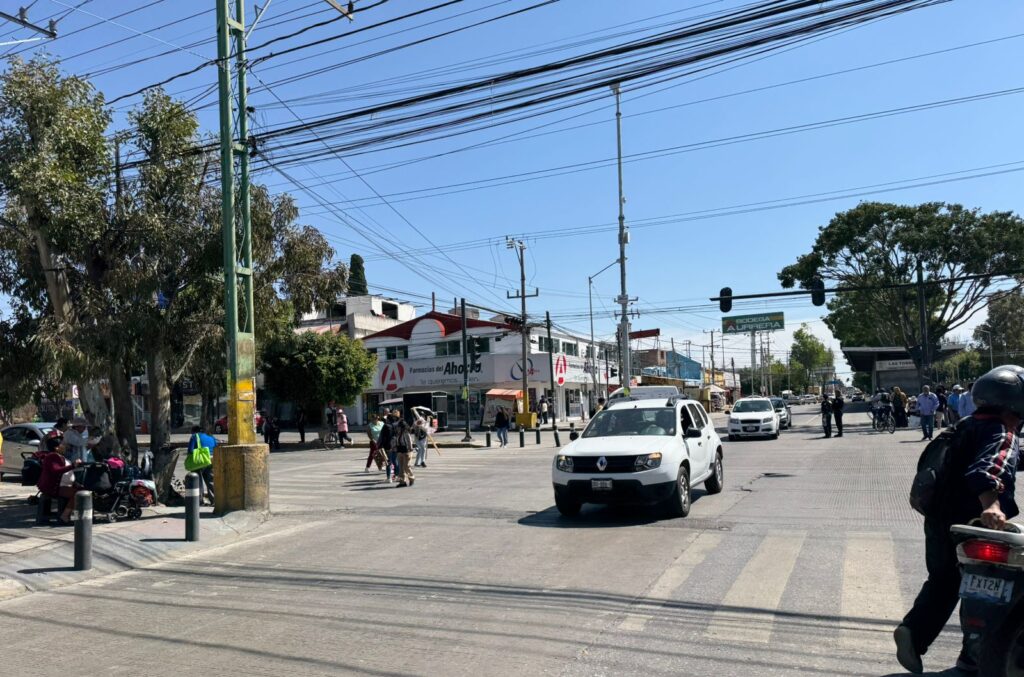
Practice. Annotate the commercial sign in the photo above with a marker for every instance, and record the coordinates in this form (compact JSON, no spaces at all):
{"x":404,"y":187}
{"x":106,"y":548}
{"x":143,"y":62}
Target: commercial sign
{"x":645,"y":333}
{"x":894,"y":365}
{"x":741,"y":324}
{"x":561,"y":367}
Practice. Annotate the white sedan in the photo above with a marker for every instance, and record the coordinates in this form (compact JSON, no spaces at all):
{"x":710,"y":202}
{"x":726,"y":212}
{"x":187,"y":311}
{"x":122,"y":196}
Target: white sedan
{"x":754,"y":417}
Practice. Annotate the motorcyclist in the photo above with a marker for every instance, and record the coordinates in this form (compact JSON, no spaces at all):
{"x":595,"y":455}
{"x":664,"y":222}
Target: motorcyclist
{"x":980,"y":481}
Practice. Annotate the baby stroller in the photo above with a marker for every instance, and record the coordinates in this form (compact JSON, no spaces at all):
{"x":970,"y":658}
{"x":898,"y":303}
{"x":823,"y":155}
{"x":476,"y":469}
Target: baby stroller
{"x":114,"y":493}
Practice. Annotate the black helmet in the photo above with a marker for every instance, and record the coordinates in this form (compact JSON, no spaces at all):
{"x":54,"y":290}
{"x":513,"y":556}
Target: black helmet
{"x":1002,"y":388}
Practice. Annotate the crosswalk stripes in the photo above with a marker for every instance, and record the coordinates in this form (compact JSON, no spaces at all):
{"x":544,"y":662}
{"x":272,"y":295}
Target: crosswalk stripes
{"x":747,"y":613}
{"x":674,"y":577}
{"x":870,"y":591}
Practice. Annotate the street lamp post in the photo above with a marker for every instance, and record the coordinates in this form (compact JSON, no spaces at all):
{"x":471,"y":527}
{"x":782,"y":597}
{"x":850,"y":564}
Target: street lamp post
{"x":991,"y":360}
{"x":590,"y":295}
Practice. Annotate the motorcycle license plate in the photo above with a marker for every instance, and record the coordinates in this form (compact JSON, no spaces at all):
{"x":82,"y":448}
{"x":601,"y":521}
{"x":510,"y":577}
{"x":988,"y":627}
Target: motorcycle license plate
{"x":601,"y":485}
{"x":986,"y":588}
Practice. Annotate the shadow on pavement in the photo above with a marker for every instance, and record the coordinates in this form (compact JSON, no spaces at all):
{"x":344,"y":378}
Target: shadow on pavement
{"x":45,"y":570}
{"x":596,"y":516}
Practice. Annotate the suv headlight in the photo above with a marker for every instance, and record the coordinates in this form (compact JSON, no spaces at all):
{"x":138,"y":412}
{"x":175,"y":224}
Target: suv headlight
{"x":733,"y":419}
{"x":647,"y":462}
{"x":767,"y":420}
{"x":564,"y":463}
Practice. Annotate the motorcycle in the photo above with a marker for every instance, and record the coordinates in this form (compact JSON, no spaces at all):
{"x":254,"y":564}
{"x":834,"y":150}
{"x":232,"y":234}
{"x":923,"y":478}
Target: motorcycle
{"x":992,"y":596}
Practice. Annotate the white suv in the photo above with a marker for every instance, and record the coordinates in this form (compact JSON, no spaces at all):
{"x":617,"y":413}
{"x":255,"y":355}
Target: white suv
{"x":754,"y":417}
{"x":640,"y":451}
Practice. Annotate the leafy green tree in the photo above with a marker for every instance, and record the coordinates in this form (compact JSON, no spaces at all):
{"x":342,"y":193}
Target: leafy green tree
{"x":357,"y":277}
{"x":1003,"y":331}
{"x":809,"y":352}
{"x":882,"y":244}
{"x":311,"y":369}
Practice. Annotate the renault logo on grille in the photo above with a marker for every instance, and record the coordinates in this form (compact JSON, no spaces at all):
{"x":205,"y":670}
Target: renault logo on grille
{"x":602,"y":463}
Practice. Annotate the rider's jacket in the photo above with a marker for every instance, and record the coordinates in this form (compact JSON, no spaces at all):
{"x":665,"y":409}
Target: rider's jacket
{"x":985,"y":459}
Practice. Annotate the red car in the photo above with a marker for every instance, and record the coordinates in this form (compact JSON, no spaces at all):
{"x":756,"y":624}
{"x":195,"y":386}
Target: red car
{"x":221,"y":426}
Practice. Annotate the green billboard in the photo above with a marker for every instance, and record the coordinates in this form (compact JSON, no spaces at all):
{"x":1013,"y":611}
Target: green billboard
{"x":741,"y":324}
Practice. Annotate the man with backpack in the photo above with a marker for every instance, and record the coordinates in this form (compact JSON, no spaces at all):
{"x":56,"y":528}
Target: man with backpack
{"x":968,"y":472}
{"x":404,"y":446}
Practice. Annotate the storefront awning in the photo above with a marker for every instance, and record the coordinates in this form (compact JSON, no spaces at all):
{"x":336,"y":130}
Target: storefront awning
{"x":505,"y":394}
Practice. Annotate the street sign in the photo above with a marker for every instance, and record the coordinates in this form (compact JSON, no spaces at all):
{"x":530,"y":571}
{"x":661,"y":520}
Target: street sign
{"x":741,"y":324}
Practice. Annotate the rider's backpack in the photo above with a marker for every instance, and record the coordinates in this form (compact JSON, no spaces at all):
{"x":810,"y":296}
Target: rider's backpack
{"x":929,"y":488}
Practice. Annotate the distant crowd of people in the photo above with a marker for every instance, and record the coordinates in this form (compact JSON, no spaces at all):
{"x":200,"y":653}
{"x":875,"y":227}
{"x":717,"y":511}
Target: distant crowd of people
{"x":934,"y":409}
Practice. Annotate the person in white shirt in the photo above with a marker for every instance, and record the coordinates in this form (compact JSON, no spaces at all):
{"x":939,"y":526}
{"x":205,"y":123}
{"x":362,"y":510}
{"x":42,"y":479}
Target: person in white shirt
{"x":965,"y":407}
{"x":77,"y":440}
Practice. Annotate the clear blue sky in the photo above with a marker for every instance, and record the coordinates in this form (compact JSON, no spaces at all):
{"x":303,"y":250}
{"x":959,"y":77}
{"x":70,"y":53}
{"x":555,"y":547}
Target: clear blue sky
{"x":675,"y":264}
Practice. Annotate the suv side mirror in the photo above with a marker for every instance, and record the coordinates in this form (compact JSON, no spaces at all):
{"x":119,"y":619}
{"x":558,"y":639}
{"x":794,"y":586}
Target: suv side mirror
{"x":693,"y":432}
{"x":573,"y":436}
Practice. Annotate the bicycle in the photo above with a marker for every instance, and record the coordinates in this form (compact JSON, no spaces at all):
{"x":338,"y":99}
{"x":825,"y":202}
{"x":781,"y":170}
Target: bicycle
{"x":883,"y":421}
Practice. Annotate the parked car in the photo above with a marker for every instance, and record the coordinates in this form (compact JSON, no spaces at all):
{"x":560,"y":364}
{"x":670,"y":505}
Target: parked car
{"x":857,"y":397}
{"x":641,"y":452}
{"x":20,"y":438}
{"x":785,"y":414}
{"x":753,"y":417}
{"x":221,"y":424}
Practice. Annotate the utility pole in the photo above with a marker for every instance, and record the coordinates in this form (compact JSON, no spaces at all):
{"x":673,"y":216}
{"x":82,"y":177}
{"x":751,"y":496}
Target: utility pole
{"x":672,"y":344}
{"x":552,"y":407}
{"x":241,"y":465}
{"x":627,"y":371}
{"x":590,"y":297}
{"x":712,"y":332}
{"x":525,"y":418}
{"x":753,"y":361}
{"x":468,"y":437}
{"x":732,"y":361}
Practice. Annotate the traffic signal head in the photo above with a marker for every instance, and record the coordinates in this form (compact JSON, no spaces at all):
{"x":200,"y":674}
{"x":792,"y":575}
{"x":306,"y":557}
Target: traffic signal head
{"x":725,"y":299}
{"x":817,"y":292}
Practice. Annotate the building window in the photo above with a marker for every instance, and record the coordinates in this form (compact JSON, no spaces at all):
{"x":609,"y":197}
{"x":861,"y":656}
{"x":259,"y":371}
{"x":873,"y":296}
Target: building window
{"x":571,"y":349}
{"x":372,"y":351}
{"x":389,"y":310}
{"x":447,"y":348}
{"x":546,"y":346}
{"x":396,"y":352}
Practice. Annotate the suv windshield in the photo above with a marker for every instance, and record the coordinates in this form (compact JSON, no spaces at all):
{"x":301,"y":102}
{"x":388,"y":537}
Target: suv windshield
{"x":615,"y":422}
{"x":752,"y":405}
{"x":779,"y":403}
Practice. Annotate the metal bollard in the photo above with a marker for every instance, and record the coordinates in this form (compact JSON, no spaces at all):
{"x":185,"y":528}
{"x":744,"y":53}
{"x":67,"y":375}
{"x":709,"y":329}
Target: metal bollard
{"x":488,"y":436}
{"x":83,"y":530}
{"x":522,"y":437}
{"x":193,"y":489}
{"x":558,"y":440}
{"x":538,"y":435}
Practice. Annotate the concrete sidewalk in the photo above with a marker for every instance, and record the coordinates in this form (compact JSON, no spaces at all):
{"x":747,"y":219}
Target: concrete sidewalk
{"x":36,"y":558}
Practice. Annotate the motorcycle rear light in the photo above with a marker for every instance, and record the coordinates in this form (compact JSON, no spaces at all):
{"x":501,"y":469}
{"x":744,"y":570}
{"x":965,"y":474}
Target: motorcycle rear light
{"x":987,"y":551}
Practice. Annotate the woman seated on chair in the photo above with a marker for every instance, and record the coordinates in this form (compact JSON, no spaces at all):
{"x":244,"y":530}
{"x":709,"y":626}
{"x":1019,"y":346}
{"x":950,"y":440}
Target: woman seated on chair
{"x":51,"y":482}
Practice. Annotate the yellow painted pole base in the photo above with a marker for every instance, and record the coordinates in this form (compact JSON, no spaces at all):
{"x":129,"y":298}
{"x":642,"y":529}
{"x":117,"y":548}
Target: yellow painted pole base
{"x":241,"y":478}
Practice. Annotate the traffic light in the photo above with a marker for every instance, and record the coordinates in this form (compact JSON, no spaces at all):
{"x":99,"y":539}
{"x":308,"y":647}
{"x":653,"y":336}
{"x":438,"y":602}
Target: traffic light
{"x":474,"y":353}
{"x":817,"y":292}
{"x":725,"y":299}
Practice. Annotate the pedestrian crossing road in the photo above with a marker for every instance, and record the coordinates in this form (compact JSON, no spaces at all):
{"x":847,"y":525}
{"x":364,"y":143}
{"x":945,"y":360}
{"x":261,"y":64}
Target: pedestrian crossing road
{"x":803,"y":565}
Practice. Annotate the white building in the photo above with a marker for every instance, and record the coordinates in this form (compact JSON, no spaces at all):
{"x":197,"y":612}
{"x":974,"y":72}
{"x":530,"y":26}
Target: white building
{"x":425,"y":355}
{"x":358,"y":316}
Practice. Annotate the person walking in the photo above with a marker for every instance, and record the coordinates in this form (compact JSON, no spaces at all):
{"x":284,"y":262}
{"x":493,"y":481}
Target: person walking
{"x":420,"y":431}
{"x":501,"y":423}
{"x":300,"y":423}
{"x":965,"y":407}
{"x":342,"y":419}
{"x":899,"y":407}
{"x":200,"y":439}
{"x":544,"y":410}
{"x":940,"y":413}
{"x":826,"y":415}
{"x":953,"y":406}
{"x":837,"y":413}
{"x":386,"y":442}
{"x":373,"y":432}
{"x":927,"y":405}
{"x":404,"y":445}
{"x":978,"y":482}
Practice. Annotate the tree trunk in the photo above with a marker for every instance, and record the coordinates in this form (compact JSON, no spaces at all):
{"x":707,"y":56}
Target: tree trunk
{"x":164,"y":459}
{"x":209,"y":413}
{"x":124,"y":412}
{"x":95,"y":407}
{"x":164,"y":465}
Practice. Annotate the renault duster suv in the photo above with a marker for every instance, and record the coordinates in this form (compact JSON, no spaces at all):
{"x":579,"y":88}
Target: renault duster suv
{"x":640,"y":451}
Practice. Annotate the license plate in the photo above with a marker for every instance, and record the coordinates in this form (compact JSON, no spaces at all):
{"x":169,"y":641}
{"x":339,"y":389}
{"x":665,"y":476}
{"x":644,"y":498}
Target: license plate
{"x":601,"y":485}
{"x":750,"y":428}
{"x":987,"y":588}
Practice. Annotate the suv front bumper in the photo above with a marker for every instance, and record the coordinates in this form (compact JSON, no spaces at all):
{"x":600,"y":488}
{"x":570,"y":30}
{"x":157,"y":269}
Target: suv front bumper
{"x":627,"y":492}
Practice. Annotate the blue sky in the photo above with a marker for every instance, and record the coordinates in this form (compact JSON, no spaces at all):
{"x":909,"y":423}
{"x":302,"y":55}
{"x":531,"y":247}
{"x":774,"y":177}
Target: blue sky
{"x":679,"y":263}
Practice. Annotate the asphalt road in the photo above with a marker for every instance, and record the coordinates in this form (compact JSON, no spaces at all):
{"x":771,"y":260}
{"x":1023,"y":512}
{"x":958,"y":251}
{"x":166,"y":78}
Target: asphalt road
{"x":801,"y":566}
